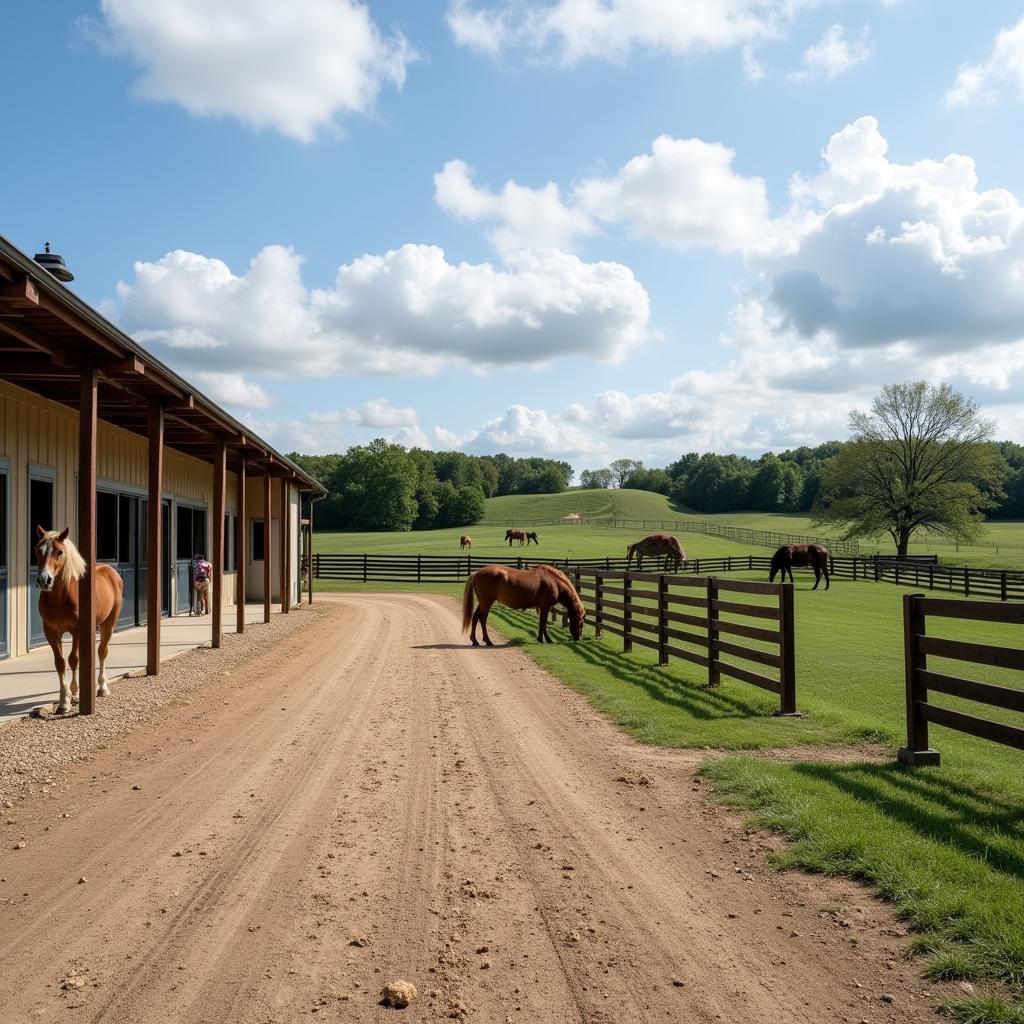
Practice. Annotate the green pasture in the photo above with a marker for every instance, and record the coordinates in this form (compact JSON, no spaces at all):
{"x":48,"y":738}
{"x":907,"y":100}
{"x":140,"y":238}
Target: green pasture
{"x":945,"y":844}
{"x":1001,"y":547}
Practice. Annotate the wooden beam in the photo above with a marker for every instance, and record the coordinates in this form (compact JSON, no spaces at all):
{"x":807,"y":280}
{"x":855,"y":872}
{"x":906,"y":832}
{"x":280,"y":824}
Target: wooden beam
{"x":309,"y":552}
{"x":219,"y":479}
{"x":20,"y":293}
{"x":87,"y":540}
{"x":154,"y":538}
{"x":26,"y":339}
{"x":78,"y":323}
{"x":286,"y":590}
{"x":241,"y":549}
{"x":267,"y":483}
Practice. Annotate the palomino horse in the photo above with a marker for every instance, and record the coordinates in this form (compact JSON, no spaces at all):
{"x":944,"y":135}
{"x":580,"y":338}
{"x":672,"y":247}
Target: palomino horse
{"x":815,"y":555}
{"x":541,"y":587}
{"x":465,"y":542}
{"x":655,"y":546}
{"x":61,"y":567}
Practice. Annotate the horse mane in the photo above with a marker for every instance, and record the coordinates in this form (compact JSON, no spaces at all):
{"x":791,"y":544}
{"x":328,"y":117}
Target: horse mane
{"x":567,"y":588}
{"x":73,"y":568}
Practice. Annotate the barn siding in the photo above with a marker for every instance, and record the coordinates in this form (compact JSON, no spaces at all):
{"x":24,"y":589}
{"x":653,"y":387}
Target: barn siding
{"x":37,"y":432}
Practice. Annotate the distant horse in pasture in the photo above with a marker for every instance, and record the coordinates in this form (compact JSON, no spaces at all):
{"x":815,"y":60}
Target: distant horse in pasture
{"x":802,"y":555}
{"x":60,"y":570}
{"x":465,"y":542}
{"x":541,"y":587}
{"x":533,"y":537}
{"x":522,"y":536}
{"x":655,"y":546}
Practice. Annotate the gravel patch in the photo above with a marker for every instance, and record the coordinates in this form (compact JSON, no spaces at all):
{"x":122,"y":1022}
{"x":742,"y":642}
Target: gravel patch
{"x":35,"y":751}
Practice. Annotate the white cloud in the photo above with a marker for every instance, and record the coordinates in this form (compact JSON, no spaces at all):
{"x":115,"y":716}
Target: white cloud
{"x":407,"y":311}
{"x":890,"y":252}
{"x":233,"y":389}
{"x":686,"y":193}
{"x":297,"y":68}
{"x":976,"y":83}
{"x":573,"y":30}
{"x":833,"y":55}
{"x":525,"y":431}
{"x":528,"y":218}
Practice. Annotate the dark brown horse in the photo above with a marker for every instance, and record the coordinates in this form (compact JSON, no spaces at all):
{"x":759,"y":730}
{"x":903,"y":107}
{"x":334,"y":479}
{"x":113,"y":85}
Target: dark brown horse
{"x":802,"y":555}
{"x":522,"y":536}
{"x":655,"y":546}
{"x":541,"y":587}
{"x":61,"y":567}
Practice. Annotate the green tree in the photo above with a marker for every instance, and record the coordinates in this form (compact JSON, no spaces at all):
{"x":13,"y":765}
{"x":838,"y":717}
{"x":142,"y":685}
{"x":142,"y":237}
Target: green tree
{"x":376,"y":485}
{"x":622,"y":469}
{"x":917,"y":460}
{"x":596,"y":478}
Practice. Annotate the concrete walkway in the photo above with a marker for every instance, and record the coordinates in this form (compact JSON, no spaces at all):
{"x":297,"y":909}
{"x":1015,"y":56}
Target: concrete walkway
{"x":31,"y":680}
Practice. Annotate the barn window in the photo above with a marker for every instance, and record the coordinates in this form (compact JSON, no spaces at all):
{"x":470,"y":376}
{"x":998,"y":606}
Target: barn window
{"x":258,"y":535}
{"x":106,"y":526}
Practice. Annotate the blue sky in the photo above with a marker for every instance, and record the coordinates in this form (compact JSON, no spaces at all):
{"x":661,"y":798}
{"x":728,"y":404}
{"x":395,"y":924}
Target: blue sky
{"x":207,"y":167}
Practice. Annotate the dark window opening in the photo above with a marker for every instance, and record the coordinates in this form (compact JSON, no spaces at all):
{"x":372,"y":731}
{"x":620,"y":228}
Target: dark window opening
{"x":3,"y":523}
{"x":106,"y":526}
{"x":258,"y":535}
{"x":126,"y":513}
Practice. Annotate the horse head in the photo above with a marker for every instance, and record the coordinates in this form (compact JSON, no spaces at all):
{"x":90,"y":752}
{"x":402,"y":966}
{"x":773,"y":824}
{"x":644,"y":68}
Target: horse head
{"x":49,"y":557}
{"x":576,"y":613}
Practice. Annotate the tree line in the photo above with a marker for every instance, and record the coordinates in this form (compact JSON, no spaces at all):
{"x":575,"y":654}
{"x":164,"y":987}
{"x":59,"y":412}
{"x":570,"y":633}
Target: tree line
{"x":384,"y":486}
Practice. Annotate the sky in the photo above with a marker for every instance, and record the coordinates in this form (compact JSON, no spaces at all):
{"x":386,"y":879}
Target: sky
{"x":583,"y":229}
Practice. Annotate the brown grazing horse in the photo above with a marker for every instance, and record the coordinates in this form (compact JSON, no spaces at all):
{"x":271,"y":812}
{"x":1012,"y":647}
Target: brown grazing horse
{"x":657,"y":545}
{"x":522,"y":536}
{"x":61,"y":567}
{"x":465,"y":542}
{"x":541,"y":587}
{"x":801,"y":555}
{"x":533,"y":537}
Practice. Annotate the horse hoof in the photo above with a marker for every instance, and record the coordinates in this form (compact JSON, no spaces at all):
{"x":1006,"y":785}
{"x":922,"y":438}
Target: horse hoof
{"x":62,"y":709}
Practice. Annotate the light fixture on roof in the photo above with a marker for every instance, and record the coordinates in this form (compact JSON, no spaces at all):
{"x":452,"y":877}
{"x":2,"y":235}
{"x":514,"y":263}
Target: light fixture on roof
{"x":54,"y":264}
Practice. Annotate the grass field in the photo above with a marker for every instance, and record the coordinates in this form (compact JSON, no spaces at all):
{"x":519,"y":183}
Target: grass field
{"x":1003,"y":546}
{"x":946,"y":845}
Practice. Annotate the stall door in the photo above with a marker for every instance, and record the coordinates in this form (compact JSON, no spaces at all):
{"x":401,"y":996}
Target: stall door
{"x":165,"y":548}
{"x":40,"y":511}
{"x":128,"y":557}
{"x":191,"y":540}
{"x":5,"y":648}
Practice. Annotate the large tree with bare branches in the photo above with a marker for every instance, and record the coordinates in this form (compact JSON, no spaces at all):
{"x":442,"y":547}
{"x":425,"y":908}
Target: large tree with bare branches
{"x":917,"y":461}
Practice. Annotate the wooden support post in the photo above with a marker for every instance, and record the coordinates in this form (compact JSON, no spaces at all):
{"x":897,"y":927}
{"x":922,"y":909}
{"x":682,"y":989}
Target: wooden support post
{"x":267,"y":484}
{"x":627,"y":613}
{"x":787,"y":653}
{"x":241,"y":548}
{"x":155,"y":568}
{"x":309,"y":548}
{"x":220,"y":458}
{"x":712,"y":593}
{"x":285,"y":595}
{"x":662,"y":620}
{"x":917,"y":750}
{"x":87,"y":540}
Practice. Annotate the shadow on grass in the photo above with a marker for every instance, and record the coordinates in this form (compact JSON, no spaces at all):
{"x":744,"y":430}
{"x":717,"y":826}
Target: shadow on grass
{"x":986,"y":830}
{"x":693,"y":699}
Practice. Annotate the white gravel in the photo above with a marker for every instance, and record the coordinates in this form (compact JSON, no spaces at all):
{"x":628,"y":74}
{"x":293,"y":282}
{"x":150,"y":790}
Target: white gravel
{"x":34,"y":751}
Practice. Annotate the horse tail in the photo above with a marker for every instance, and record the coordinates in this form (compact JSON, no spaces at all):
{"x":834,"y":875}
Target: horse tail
{"x":467,"y":605}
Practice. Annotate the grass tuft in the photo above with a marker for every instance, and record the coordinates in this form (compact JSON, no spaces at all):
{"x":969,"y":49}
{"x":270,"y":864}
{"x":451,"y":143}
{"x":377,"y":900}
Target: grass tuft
{"x":988,"y":1009}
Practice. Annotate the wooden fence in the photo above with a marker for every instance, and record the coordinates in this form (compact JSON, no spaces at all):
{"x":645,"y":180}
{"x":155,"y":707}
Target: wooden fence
{"x":920,"y":679}
{"x":760,"y":538}
{"x":1002,"y":584}
{"x":702,"y":621}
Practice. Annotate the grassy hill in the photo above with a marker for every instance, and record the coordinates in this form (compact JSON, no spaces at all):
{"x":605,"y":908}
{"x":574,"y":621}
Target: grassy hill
{"x":598,"y":502}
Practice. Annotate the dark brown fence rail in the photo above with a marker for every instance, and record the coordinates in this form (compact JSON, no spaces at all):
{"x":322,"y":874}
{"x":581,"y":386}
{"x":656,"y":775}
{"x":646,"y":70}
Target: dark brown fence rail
{"x":762,"y":538}
{"x":730,"y":627}
{"x":920,"y":679}
{"x":1001,"y":584}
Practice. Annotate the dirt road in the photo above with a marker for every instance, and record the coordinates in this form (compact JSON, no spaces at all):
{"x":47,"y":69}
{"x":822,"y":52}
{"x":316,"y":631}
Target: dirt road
{"x":378,"y":801}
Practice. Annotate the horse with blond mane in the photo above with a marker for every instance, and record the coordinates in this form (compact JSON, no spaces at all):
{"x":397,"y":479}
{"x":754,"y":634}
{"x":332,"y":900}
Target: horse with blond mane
{"x":656,"y":545}
{"x":61,"y":570}
{"x":541,"y":587}
{"x":465,"y":542}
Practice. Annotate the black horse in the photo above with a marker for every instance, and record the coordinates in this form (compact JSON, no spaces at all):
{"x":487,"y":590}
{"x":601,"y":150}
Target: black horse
{"x":801,"y":555}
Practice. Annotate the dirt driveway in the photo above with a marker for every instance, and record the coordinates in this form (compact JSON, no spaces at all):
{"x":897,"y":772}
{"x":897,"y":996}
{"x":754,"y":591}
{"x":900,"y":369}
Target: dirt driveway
{"x":378,"y":801}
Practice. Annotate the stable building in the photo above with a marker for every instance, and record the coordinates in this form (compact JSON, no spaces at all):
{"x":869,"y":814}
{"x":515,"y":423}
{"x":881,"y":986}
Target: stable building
{"x":99,"y":436}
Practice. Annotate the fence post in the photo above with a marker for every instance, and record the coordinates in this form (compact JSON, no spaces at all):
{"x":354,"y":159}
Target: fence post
{"x":967,"y":582}
{"x":1002,"y":586}
{"x":316,"y":562}
{"x":787,"y":652}
{"x":364,"y":568}
{"x":917,"y":750}
{"x":519,"y":561}
{"x":419,"y":560}
{"x":627,"y":613}
{"x":662,"y":620}
{"x":712,"y":592}
{"x":598,"y":593}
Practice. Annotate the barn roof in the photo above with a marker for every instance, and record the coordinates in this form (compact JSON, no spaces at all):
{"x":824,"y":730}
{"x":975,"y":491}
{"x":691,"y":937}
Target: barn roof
{"x":48,"y":335}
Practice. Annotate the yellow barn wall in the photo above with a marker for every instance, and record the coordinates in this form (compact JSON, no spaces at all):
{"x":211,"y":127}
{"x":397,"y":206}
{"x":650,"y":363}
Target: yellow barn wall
{"x":36,"y":433}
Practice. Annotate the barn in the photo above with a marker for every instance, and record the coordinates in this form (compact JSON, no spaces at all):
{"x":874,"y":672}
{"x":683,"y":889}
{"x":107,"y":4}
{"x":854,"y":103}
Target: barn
{"x":98,"y":435}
